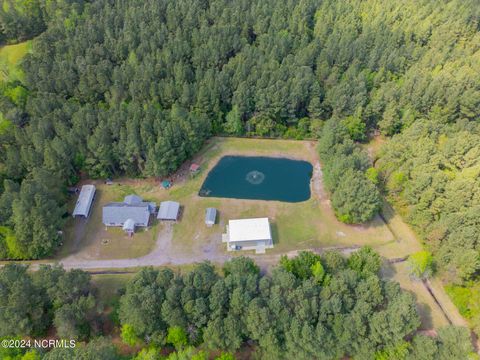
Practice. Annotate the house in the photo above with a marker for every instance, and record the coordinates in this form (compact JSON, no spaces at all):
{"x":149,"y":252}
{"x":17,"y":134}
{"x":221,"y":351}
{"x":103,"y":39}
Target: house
{"x":248,"y":234}
{"x":84,"y":201}
{"x":210,"y":216}
{"x":168,"y":211}
{"x":130,"y":213}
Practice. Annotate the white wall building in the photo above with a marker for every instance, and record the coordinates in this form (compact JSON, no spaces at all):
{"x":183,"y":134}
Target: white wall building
{"x":248,"y":234}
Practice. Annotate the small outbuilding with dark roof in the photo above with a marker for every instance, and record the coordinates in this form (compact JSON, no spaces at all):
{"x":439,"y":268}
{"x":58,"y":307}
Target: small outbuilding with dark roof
{"x":168,"y":211}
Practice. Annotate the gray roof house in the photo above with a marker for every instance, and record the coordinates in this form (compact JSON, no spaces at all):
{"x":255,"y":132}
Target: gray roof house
{"x":84,"y":202}
{"x":132,"y":210}
{"x":210,"y":216}
{"x":168,"y":210}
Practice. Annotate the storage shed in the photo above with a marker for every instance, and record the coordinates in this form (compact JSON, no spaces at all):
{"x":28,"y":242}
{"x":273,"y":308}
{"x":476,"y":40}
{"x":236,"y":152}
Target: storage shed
{"x":84,"y":201}
{"x":210,"y":216}
{"x":168,"y":211}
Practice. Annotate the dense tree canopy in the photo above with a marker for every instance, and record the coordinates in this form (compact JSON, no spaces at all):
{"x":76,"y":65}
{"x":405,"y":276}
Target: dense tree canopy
{"x":289,"y":314}
{"x":31,"y":302}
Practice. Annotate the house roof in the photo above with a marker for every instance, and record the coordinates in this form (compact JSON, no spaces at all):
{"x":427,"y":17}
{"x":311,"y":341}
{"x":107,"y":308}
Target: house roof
{"x":132,"y":199}
{"x":129,"y":225}
{"x":168,"y":210}
{"x":133,"y":208}
{"x":249,"y":229}
{"x":84,"y":201}
{"x":210,"y":215}
{"x":194,"y":167}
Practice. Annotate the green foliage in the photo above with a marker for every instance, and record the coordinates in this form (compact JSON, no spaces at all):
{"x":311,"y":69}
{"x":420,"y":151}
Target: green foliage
{"x":355,"y":198}
{"x":421,"y":264}
{"x":465,"y":299}
{"x":128,"y":335}
{"x":365,"y":262}
{"x":287,"y":314}
{"x":305,"y":265}
{"x":177,"y":337}
{"x":233,"y":122}
{"x":356,"y":128}
{"x":397,"y":352}
{"x":372,"y":175}
{"x":225,"y":356}
{"x":31,"y":302}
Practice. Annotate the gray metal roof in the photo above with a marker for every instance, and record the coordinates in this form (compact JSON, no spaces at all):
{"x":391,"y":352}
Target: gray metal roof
{"x":132,"y":200}
{"x":210,"y":215}
{"x":129,"y":225}
{"x":84,"y":201}
{"x":117,"y":213}
{"x":168,"y":210}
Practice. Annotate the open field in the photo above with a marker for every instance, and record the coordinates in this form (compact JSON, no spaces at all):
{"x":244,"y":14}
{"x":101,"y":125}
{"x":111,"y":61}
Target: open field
{"x":10,"y":57}
{"x":304,"y":225}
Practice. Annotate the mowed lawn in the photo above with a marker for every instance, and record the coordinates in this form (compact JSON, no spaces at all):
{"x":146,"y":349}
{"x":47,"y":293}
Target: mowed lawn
{"x":295,"y":226}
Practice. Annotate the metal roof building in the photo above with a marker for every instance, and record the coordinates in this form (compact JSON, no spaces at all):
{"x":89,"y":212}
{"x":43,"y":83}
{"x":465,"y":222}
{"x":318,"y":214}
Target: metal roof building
{"x":210,"y":216}
{"x":132,"y":209}
{"x":84,"y":201}
{"x":248,"y":234}
{"x":168,"y":210}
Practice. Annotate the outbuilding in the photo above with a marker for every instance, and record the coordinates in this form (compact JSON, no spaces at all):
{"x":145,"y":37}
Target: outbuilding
{"x":210,"y":216}
{"x":168,"y":211}
{"x":248,"y":234}
{"x":84,"y":201}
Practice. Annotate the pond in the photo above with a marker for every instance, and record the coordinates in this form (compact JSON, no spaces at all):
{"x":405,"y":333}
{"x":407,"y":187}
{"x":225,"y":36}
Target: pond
{"x":259,"y":178}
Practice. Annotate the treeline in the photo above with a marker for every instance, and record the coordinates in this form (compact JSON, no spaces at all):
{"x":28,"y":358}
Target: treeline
{"x":348,"y":175}
{"x":135,"y":87}
{"x":24,"y":19}
{"x":432,"y":171}
{"x":33,"y":302}
{"x":310,"y":307}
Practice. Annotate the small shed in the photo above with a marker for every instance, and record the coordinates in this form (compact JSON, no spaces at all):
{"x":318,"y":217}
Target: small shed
{"x":210,"y":216}
{"x":129,"y":226}
{"x":166,"y":184}
{"x":168,"y":211}
{"x":194,"y":168}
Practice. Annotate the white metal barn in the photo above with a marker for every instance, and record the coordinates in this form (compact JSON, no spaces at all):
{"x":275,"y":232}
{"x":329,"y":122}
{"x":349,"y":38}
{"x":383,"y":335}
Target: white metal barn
{"x":248,"y":234}
{"x":84,"y":202}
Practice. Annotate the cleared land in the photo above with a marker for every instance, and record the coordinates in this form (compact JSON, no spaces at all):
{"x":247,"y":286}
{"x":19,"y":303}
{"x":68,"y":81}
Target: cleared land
{"x":304,"y":225}
{"x":10,"y":57}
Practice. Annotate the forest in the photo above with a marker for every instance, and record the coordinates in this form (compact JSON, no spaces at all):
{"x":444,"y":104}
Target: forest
{"x":134,"y":88}
{"x":311,"y":306}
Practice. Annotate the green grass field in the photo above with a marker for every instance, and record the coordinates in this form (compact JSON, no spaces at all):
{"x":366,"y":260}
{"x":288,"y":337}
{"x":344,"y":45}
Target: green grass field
{"x":10,"y":58}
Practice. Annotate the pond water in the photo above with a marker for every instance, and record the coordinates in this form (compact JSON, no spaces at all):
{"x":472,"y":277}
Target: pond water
{"x":261,"y":178}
